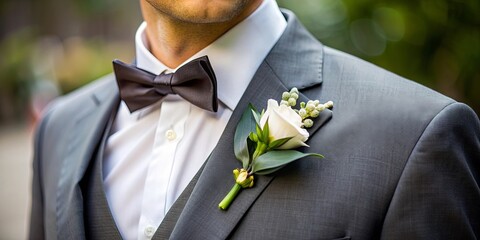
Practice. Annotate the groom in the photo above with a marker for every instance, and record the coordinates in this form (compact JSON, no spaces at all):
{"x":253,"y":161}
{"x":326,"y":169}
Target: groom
{"x":401,"y":161}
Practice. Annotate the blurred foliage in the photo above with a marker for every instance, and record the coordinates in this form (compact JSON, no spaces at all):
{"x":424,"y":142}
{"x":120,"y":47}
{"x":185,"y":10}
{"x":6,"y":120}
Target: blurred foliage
{"x":85,"y":60}
{"x":15,"y":74}
{"x":66,"y":44}
{"x":434,"y":42}
{"x":52,"y":47}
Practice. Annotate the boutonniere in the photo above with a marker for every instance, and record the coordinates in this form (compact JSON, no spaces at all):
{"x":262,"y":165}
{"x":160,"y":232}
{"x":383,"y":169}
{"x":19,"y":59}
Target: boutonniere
{"x":264,"y":142}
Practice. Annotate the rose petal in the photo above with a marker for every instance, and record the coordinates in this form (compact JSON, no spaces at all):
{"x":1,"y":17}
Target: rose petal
{"x":283,"y":125}
{"x":284,"y":122}
{"x":271,"y":104}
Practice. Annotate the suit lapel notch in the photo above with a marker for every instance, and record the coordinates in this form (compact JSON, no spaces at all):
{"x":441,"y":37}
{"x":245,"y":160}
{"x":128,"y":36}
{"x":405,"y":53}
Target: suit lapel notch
{"x":301,"y":65}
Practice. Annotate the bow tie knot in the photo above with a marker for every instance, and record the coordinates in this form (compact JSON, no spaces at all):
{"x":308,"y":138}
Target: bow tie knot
{"x":195,"y":82}
{"x":163,"y":83}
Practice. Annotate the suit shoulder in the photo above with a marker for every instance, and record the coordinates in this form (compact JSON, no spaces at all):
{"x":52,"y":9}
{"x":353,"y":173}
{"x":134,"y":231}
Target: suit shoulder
{"x":93,"y":88}
{"x":66,"y":106}
{"x":368,"y":82}
{"x":78,"y":97}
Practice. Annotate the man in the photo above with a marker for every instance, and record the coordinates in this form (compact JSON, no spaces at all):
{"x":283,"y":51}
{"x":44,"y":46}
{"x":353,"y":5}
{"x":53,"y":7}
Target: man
{"x":401,"y":161}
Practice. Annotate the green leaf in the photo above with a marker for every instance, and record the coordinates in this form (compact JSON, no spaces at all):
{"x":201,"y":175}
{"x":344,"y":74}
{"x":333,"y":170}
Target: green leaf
{"x":268,"y":171}
{"x":245,"y":126}
{"x":277,"y":143}
{"x":256,"y":115}
{"x":266,"y":133}
{"x":253,"y":136}
{"x":275,"y":159}
{"x":259,"y":132}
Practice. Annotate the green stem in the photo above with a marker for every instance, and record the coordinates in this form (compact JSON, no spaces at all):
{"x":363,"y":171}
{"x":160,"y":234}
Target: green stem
{"x":230,"y":196}
{"x":259,"y":150}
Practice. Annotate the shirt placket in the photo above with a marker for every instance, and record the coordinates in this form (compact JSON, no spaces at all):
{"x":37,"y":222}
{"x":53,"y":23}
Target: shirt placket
{"x":169,"y":132}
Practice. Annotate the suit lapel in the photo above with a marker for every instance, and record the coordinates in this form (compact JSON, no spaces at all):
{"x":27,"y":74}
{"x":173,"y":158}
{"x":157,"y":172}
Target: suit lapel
{"x":301,"y":65}
{"x":283,"y":68}
{"x":201,"y":217}
{"x":86,"y":131}
{"x":170,"y":220}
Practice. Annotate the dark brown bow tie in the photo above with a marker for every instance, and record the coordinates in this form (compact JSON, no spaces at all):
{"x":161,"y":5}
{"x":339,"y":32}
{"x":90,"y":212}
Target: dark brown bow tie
{"x":194,"y":81}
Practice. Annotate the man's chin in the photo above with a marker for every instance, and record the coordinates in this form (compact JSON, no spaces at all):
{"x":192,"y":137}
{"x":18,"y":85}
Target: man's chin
{"x":204,"y":11}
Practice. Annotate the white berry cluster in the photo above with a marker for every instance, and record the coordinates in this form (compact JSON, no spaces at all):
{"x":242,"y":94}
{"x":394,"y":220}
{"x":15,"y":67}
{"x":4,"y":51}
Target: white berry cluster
{"x":308,"y":111}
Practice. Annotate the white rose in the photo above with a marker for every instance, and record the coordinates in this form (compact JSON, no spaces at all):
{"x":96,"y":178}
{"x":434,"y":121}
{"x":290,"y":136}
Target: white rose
{"x":284,"y":122}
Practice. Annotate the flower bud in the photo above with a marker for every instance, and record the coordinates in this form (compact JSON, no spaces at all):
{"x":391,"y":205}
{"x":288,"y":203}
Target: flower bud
{"x":294,"y":95}
{"x":244,"y":179}
{"x":236,"y":172}
{"x":294,"y":90}
{"x":285,"y":96}
{"x":308,"y":123}
{"x":314,"y":113}
{"x":302,"y":105}
{"x":292,"y":102}
{"x":253,"y":137}
{"x":316,"y":102}
{"x":328,"y":104}
{"x":320,"y":107}
{"x":303,"y":113}
{"x":310,"y":106}
{"x":284,"y":102}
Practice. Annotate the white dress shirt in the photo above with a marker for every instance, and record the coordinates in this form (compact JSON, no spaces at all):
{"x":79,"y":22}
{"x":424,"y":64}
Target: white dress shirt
{"x":153,"y":153}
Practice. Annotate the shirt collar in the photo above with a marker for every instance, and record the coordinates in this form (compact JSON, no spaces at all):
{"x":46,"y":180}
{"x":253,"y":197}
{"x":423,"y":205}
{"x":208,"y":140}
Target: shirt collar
{"x":235,"y":56}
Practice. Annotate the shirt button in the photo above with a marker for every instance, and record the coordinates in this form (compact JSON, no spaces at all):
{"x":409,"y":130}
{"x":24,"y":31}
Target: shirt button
{"x":149,"y":231}
{"x":170,"y":135}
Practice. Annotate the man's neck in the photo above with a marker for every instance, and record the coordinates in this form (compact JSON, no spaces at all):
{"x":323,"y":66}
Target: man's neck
{"x":173,"y":41}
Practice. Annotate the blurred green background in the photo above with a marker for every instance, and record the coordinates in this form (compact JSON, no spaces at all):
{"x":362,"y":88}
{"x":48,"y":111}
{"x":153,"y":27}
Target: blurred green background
{"x":50,"y":47}
{"x":433,"y":42}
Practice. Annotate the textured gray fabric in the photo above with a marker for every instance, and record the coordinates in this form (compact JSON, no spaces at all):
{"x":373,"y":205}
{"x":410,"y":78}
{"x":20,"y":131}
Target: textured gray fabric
{"x":69,"y":136}
{"x":98,"y":220}
{"x":401,"y":161}
{"x":168,"y":224}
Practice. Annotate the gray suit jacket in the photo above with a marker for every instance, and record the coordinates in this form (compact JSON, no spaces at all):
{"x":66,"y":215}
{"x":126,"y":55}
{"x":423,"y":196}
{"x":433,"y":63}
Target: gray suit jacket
{"x":401,"y":161}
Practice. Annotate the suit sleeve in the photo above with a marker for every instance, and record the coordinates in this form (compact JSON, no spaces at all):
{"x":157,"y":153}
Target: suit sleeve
{"x":37,"y":225}
{"x":438,"y":195}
